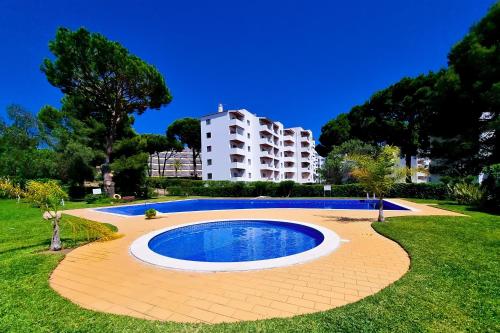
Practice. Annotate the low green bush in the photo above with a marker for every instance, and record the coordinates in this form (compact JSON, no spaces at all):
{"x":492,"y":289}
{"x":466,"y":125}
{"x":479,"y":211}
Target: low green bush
{"x":97,"y":198}
{"x":491,"y":188}
{"x":150,"y":213}
{"x":288,"y":189}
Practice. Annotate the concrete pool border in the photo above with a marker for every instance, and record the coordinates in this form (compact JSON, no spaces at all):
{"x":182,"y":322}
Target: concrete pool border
{"x":100,"y":209}
{"x":140,"y":249}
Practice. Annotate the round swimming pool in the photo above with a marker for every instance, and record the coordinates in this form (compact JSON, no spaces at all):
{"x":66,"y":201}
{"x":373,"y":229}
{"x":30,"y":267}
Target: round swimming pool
{"x":231,"y":245}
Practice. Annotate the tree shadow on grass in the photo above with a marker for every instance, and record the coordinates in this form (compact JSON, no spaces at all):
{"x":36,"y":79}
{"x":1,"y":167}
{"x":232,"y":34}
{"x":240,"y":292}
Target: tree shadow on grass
{"x":35,"y":247}
{"x":345,"y":219}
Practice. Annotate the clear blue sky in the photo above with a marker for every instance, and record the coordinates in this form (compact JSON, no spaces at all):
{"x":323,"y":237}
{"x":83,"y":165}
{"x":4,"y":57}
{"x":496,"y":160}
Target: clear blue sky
{"x":300,"y":62}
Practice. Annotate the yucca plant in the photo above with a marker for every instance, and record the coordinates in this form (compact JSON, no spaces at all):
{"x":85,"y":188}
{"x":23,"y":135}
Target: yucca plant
{"x":466,"y":194}
{"x":378,"y":173}
{"x":177,"y":164}
{"x":48,"y":196}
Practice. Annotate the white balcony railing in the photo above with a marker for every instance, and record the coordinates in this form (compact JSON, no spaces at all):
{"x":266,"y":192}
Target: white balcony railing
{"x":238,"y":165}
{"x":237,"y":151}
{"x":239,"y":136}
{"x":266,"y":128}
{"x":264,"y":141}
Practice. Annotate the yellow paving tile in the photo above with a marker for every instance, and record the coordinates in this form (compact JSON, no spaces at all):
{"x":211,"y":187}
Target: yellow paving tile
{"x":103,"y":276}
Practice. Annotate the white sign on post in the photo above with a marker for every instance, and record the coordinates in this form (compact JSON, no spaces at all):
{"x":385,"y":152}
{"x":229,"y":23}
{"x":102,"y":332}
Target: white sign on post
{"x":96,"y":191}
{"x":327,"y":188}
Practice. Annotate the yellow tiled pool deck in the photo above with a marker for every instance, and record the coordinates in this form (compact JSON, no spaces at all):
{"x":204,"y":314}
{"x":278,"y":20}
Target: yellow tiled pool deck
{"x":104,"y":276}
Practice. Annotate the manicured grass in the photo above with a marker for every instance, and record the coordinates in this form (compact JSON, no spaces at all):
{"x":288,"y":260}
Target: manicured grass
{"x":452,"y":285}
{"x":83,"y":204}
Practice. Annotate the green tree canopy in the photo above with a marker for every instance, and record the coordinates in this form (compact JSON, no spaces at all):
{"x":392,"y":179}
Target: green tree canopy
{"x":378,"y":173}
{"x":336,"y":169}
{"x":104,"y":83}
{"x":476,"y":60}
{"x":188,"y":132}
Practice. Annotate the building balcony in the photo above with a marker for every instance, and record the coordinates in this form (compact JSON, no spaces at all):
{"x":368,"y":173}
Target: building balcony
{"x":238,"y":165}
{"x":288,"y":138}
{"x":267,"y":166}
{"x":236,"y":122}
{"x":237,"y":175}
{"x":266,"y":129}
{"x":266,"y":153}
{"x":266,"y":142}
{"x":289,"y":159}
{"x":237,"y":136}
{"x":237,"y":151}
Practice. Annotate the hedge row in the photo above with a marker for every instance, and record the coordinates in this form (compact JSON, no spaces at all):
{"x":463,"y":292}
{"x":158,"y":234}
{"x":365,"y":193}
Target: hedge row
{"x":288,"y":188}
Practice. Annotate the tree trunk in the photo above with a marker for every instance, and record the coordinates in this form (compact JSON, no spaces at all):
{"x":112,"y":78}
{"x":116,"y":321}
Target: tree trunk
{"x":164,"y":166}
{"x":408,"y":166}
{"x":150,"y":166}
{"x":194,"y":163}
{"x":158,"y":159}
{"x":109,"y":185}
{"x":55,"y":242}
{"x":381,"y":210}
{"x":165,"y":162}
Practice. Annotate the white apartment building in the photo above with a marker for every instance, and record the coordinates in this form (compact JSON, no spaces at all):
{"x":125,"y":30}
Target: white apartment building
{"x":422,"y":164}
{"x":165,"y":165}
{"x":240,"y":146}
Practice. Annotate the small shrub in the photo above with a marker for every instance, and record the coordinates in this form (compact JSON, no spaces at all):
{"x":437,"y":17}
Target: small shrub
{"x":491,"y":188}
{"x":466,"y":194}
{"x":97,"y":198}
{"x":9,"y":190}
{"x":150,"y":213}
{"x":285,"y":188}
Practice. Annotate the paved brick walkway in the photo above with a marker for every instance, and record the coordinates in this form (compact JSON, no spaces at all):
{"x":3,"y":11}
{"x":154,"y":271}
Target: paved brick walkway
{"x":103,"y":276}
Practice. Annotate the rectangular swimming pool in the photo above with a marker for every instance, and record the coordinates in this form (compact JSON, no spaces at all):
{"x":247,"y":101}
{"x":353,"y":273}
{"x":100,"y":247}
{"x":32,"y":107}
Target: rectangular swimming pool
{"x":191,"y":205}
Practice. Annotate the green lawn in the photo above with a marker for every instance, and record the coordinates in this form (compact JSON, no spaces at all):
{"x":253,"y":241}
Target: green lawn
{"x":83,"y":204}
{"x":452,"y":285}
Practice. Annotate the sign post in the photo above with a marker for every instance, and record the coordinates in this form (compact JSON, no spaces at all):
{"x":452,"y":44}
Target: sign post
{"x":327,"y":188}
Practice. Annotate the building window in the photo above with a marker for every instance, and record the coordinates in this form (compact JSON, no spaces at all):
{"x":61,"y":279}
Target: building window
{"x":209,"y":148}
{"x":248,"y":148}
{"x":249,"y":162}
{"x":207,"y":121}
{"x":209,"y":176}
{"x":249,"y":175}
{"x":209,"y":135}
{"x":248,"y":122}
{"x":248,"y":135}
{"x":209,"y":161}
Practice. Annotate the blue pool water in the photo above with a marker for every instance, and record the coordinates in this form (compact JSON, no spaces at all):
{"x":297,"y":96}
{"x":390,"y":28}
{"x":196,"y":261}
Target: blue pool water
{"x":235,"y":241}
{"x":225,"y":204}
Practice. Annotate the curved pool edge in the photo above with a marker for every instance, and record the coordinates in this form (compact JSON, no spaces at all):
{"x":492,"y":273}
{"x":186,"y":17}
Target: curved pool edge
{"x":111,"y":210}
{"x":140,"y":250}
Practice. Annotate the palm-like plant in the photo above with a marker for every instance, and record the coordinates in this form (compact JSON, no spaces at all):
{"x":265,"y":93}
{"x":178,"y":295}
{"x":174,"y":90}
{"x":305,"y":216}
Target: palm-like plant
{"x":378,"y":173}
{"x":177,"y":164}
{"x":48,"y":196}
